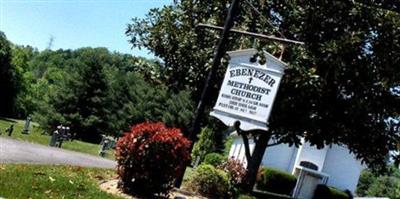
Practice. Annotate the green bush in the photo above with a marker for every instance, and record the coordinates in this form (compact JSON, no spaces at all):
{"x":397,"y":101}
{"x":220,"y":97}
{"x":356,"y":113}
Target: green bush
{"x":276,"y":181}
{"x":209,"y":182}
{"x":385,"y":186}
{"x":228,"y":144}
{"x":204,"y":145}
{"x":367,"y":178}
{"x":245,"y":196}
{"x":262,"y":195}
{"x":325,"y":192}
{"x":214,"y":159}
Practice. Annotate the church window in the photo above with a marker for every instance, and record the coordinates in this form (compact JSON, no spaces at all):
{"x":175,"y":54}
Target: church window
{"x":309,"y":165}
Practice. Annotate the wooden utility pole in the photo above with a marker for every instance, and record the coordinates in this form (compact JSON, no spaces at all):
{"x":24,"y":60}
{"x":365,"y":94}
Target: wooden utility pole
{"x":254,"y":159}
{"x":218,"y":54}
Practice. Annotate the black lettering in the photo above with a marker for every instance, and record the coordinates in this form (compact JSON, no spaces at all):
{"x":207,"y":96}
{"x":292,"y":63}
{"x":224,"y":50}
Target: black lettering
{"x":250,"y":71}
{"x":238,"y":72}
{"x":266,"y":79}
{"x":244,"y":71}
{"x":232,"y":72}
{"x":272,"y":82}
{"x":261,"y":76}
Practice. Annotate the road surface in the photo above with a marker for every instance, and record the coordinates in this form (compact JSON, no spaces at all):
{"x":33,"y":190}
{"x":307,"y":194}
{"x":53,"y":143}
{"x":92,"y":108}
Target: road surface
{"x":14,"y":151}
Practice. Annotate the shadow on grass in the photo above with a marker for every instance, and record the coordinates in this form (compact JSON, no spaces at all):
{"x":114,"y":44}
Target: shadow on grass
{"x":7,"y":119}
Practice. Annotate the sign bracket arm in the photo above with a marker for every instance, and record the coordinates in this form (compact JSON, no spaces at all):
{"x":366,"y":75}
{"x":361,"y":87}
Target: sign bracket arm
{"x":244,"y":134}
{"x":245,"y":140}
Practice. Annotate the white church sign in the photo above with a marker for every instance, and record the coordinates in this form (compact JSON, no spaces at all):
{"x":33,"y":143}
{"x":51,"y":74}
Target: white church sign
{"x":248,"y":90}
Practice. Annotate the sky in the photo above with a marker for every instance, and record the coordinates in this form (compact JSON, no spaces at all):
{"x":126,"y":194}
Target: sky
{"x":73,"y":23}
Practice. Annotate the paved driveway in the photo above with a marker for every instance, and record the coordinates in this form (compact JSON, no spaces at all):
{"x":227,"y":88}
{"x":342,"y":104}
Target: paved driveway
{"x":14,"y":151}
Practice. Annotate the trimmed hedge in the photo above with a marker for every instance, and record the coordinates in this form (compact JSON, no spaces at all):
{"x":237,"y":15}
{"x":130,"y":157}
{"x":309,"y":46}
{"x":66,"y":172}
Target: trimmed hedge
{"x":263,"y":195}
{"x":245,"y":196}
{"x":325,"y":192}
{"x":276,"y":181}
{"x":214,"y":159}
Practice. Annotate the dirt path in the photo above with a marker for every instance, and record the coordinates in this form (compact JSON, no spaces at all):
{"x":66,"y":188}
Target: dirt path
{"x":14,"y":151}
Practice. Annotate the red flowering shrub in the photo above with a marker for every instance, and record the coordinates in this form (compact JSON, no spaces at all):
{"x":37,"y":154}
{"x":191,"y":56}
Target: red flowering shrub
{"x":149,"y":158}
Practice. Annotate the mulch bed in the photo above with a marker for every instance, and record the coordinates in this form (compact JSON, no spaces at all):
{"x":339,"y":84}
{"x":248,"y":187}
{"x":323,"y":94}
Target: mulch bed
{"x":111,"y":187}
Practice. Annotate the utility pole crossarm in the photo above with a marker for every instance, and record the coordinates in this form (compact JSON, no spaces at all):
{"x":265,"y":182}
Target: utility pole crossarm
{"x":252,"y":34}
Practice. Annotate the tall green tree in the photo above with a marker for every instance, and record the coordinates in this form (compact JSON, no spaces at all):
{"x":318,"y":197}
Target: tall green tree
{"x":171,"y":35}
{"x":373,"y":185}
{"x":337,"y":88}
{"x":97,"y":92}
{"x":21,"y":58}
{"x":81,"y":96}
{"x":134,"y":100}
{"x":7,"y":78}
{"x":73,"y":90}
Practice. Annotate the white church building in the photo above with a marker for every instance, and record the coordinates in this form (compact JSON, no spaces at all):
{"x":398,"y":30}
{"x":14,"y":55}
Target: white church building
{"x":333,"y":165}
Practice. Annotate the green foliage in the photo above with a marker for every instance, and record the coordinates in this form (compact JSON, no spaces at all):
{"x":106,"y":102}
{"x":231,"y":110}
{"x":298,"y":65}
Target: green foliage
{"x":95,"y":91}
{"x":387,"y":185}
{"x":204,"y":145}
{"x":276,"y":181}
{"x":79,"y":98}
{"x":336,"y":193}
{"x":337,"y":88}
{"x":21,"y":57}
{"x":325,"y":192}
{"x":269,"y":195}
{"x":345,"y":74}
{"x":150,"y":158}
{"x":245,"y":196}
{"x":366,"y":179}
{"x":209,"y":182}
{"x":185,"y":53}
{"x":133,"y":100}
{"x":228,"y":145}
{"x":7,"y":78}
{"x":214,"y":159}
{"x":256,"y":194}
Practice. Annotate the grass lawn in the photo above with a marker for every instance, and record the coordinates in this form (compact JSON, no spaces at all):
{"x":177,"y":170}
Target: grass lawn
{"x":36,"y":136}
{"x":36,"y":182}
